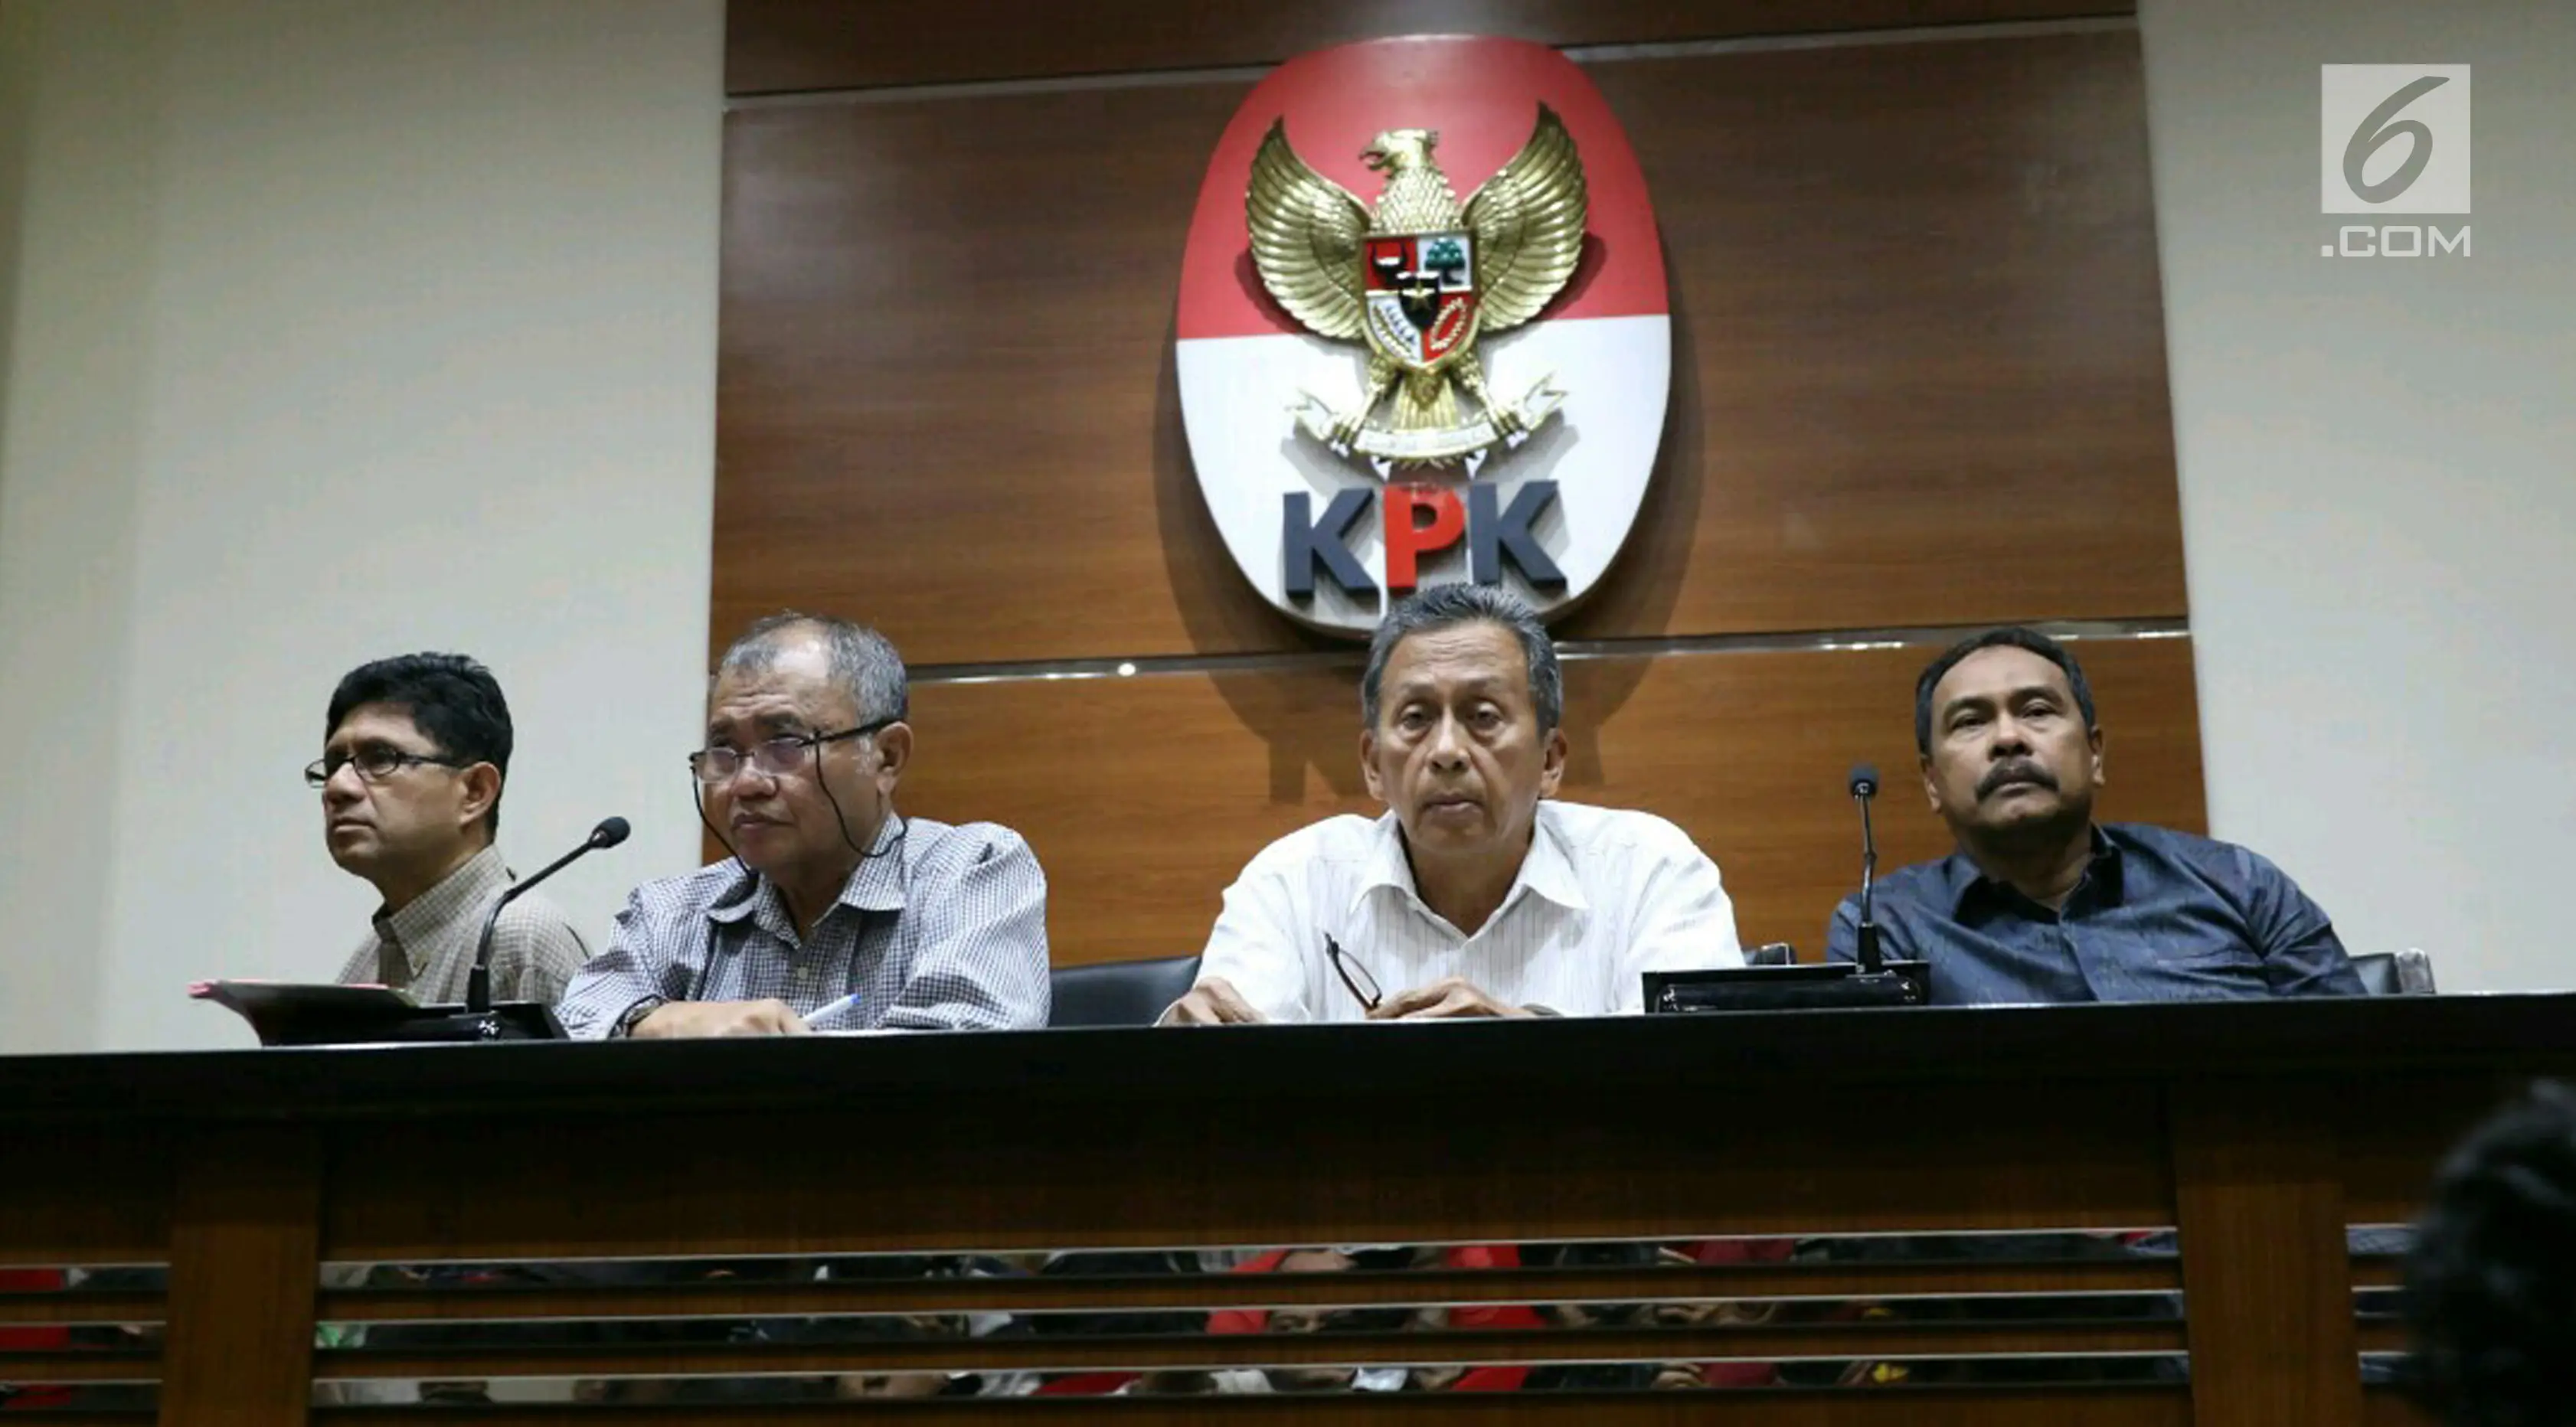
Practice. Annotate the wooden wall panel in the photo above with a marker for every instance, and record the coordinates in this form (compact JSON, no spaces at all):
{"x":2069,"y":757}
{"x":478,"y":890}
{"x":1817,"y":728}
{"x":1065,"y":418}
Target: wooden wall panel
{"x":946,"y":401}
{"x":1920,"y":372}
{"x":1144,"y":796}
{"x":774,"y":46}
{"x":1919,"y":376}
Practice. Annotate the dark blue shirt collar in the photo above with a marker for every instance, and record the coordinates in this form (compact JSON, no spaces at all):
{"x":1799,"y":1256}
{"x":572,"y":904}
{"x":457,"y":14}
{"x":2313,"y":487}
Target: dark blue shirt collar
{"x":1962,"y":880}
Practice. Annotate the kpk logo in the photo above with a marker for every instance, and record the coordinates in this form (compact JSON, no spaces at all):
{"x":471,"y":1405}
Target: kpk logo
{"x":1486,"y":378}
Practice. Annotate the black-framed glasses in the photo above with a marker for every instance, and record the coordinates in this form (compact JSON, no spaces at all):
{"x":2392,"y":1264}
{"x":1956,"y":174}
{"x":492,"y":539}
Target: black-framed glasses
{"x":1354,"y":975}
{"x":776,"y":757}
{"x":374,"y":763}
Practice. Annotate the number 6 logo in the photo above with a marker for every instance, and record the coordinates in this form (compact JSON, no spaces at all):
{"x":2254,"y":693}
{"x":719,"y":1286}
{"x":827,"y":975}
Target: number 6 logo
{"x":2378,"y":129}
{"x":2368,"y":110}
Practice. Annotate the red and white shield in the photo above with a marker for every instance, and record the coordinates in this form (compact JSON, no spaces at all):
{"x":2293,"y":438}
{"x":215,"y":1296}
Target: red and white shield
{"x":1326,"y":535}
{"x":1421,"y":296}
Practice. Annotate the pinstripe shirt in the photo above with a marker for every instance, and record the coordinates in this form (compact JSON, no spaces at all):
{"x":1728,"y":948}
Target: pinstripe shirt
{"x":940,"y":928}
{"x":1602,"y":897}
{"x":427,"y":948}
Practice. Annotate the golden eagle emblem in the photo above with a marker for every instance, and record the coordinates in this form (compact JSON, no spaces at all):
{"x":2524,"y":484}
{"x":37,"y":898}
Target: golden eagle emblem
{"x":1421,"y":278}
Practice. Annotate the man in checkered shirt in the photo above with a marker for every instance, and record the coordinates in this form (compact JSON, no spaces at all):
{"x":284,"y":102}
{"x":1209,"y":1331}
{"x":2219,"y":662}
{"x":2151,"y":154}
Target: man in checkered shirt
{"x":835,"y":912}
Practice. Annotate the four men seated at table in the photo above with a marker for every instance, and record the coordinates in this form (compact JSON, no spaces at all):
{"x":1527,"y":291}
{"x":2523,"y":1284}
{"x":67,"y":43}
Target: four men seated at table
{"x":1477,"y":893}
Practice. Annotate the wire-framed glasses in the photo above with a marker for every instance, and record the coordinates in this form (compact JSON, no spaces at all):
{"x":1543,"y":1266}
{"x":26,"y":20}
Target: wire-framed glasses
{"x":777,"y":757}
{"x":375,"y":763}
{"x":1355,"y":976}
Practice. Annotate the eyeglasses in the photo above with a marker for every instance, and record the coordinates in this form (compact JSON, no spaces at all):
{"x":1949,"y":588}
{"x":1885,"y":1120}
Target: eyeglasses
{"x":777,"y":757}
{"x":1354,"y":975}
{"x":375,"y":763}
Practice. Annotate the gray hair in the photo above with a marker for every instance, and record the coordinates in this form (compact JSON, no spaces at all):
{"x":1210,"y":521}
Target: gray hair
{"x":1446,"y":606}
{"x":863,"y":662}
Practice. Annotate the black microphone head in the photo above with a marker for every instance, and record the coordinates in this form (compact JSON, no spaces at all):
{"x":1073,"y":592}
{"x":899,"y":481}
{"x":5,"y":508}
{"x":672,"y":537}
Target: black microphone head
{"x":1864,"y":780}
{"x":609,"y":833}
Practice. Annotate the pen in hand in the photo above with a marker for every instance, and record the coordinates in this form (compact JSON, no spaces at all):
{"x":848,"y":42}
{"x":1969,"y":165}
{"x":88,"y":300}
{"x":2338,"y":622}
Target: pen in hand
{"x":816,"y":1017}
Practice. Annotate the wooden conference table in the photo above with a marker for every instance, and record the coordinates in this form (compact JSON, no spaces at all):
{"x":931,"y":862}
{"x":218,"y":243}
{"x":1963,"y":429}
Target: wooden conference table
{"x":2259,"y":1131}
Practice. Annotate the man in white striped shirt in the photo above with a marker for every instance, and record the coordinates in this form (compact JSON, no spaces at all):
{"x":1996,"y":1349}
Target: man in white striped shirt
{"x":1476,"y":893}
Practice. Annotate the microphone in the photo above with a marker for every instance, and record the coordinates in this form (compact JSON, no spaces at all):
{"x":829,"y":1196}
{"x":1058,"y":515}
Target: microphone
{"x":478,"y":983}
{"x":1864,"y":786}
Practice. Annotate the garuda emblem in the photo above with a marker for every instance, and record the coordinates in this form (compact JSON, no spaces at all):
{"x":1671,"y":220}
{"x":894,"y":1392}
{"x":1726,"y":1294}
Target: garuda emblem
{"x":1420,"y":278}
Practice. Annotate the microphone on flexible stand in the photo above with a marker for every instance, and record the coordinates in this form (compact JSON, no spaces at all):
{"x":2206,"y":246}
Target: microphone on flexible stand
{"x":1868,"y":979}
{"x":375,"y":1015}
{"x":1864,"y":786}
{"x":478,"y":983}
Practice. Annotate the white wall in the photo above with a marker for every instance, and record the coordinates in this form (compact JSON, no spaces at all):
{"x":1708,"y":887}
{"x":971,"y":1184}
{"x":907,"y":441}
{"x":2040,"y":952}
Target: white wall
{"x":2379,"y":478}
{"x":339,"y":328}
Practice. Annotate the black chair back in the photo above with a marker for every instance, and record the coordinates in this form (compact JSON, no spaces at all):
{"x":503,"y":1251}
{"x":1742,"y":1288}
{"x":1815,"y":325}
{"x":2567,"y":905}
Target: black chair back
{"x":2395,"y":973}
{"x":1119,"y":993}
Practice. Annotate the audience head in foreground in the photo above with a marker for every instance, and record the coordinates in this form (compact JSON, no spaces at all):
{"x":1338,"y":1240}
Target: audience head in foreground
{"x":2042,"y":904}
{"x":834,"y":910}
{"x":415,"y":750}
{"x":2491,"y":1286}
{"x":1475,"y":893}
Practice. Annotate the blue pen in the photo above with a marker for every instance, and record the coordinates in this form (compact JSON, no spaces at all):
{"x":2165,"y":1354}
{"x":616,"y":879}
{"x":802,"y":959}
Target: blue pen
{"x":846,"y":1003}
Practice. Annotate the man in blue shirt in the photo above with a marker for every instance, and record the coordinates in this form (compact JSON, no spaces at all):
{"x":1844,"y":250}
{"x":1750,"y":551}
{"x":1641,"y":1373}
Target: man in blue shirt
{"x":2039,"y":904}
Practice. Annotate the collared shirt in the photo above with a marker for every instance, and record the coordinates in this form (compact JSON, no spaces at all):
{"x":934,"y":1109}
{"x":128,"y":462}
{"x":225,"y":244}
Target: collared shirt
{"x":2157,"y":916}
{"x":427,"y":948}
{"x":938,"y":928}
{"x":1602,"y":897}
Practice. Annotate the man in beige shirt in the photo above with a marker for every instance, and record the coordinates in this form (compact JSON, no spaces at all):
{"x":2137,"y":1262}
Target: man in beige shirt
{"x":414,"y":756}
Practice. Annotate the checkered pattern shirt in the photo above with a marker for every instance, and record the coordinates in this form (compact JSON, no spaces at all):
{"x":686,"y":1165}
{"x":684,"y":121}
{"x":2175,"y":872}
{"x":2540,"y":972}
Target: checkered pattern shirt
{"x":427,"y":948}
{"x":940,"y":928}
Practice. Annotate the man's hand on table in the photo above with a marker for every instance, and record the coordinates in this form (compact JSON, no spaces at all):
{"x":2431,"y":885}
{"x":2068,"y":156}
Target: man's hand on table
{"x":1449,"y":998}
{"x":686,"y":1019}
{"x":1213,"y":1002}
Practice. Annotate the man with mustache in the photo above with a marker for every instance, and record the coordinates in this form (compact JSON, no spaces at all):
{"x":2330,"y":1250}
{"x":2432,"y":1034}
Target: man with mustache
{"x":835,"y":912}
{"x":1476,"y":893}
{"x":2041,"y":905}
{"x":415,"y":749}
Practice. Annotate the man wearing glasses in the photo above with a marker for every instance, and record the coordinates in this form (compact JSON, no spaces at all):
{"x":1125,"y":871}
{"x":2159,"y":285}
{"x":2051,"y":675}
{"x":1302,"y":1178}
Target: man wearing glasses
{"x":1476,"y":894}
{"x":414,"y":754}
{"x":834,"y":912}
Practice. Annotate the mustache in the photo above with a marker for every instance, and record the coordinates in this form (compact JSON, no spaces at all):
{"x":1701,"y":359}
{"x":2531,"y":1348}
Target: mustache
{"x":2018,"y":770}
